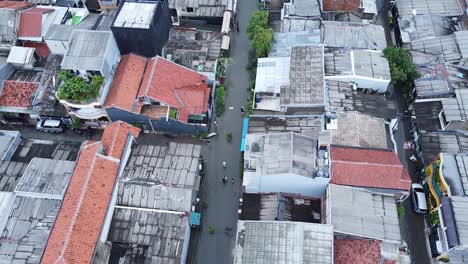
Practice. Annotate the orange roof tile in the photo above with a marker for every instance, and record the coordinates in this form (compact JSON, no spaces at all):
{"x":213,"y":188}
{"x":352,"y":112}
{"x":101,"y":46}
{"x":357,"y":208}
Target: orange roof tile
{"x":114,"y":138}
{"x":341,"y":5}
{"x":15,"y":5}
{"x":368,"y":168}
{"x":360,"y":251}
{"x":30,"y":24}
{"x":78,"y":226}
{"x":17,"y":93}
{"x":42,"y":50}
{"x":126,"y":84}
{"x":177,"y":86}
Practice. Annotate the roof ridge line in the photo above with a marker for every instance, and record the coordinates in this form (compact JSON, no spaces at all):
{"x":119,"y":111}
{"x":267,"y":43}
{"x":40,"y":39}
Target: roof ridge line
{"x":368,"y":163}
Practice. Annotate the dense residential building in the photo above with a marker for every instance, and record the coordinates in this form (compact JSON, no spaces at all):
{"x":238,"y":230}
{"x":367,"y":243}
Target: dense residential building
{"x":335,"y":34}
{"x":9,"y":23}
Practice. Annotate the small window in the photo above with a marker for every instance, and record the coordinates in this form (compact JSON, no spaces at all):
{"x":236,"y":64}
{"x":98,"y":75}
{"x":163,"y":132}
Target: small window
{"x":190,"y":9}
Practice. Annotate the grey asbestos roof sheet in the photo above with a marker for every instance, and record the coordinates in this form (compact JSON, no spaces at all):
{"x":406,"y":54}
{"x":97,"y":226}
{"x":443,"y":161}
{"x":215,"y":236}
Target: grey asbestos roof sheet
{"x":7,"y":141}
{"x":353,"y":35}
{"x":10,"y":174}
{"x":462,"y":162}
{"x":265,"y":242}
{"x":363,"y":213}
{"x":343,"y":98}
{"x":427,"y":115}
{"x":444,"y":49}
{"x":86,"y":50}
{"x":159,"y":236}
{"x":298,"y":25}
{"x":462,"y":40}
{"x":458,"y":256}
{"x":135,"y":15}
{"x":27,"y":229}
{"x":359,"y":130}
{"x":434,"y":143}
{"x":437,"y":7}
{"x":175,"y":165}
{"x":7,"y":28}
{"x":303,"y":8}
{"x":46,"y":177}
{"x":424,"y":26}
{"x":456,"y":109}
{"x":283,"y":42}
{"x":460,"y":212}
{"x":206,"y":8}
{"x":306,"y":77}
{"x":282,"y":153}
{"x":338,"y":63}
{"x":307,"y":125}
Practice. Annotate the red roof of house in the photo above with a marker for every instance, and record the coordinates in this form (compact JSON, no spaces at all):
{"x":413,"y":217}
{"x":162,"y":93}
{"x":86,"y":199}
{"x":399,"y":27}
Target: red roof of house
{"x":78,"y":226}
{"x":368,"y":168}
{"x":18,"y":94}
{"x":360,"y":251}
{"x":31,"y":22}
{"x":127,"y":79}
{"x":341,"y":5}
{"x":42,"y":50}
{"x":15,"y":5}
{"x":177,"y":86}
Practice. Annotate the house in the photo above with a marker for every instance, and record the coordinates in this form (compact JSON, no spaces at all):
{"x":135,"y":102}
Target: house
{"x":171,"y":194}
{"x":362,"y":250}
{"x":364,"y":9}
{"x":160,"y":95}
{"x":210,"y":12}
{"x":283,"y":242}
{"x":283,"y":162}
{"x":85,"y":225}
{"x":356,"y":129}
{"x":16,"y":98}
{"x":343,"y":97}
{"x":142,"y":27}
{"x":284,"y":41}
{"x":9,"y":141}
{"x":366,"y":69}
{"x":449,"y":8}
{"x":377,"y":170}
{"x":362,"y":217}
{"x":433,"y":143}
{"x":439,"y":81}
{"x":90,"y":54}
{"x":58,"y":36}
{"x":336,"y":34}
{"x":310,"y":125}
{"x":301,"y":9}
{"x":21,"y":57}
{"x":195,"y":49}
{"x":297,"y":87}
{"x":9,"y":23}
{"x":424,"y":27}
{"x":280,"y":207}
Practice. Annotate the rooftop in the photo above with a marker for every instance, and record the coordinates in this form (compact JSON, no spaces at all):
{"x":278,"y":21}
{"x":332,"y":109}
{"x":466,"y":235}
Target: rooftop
{"x":302,"y":9}
{"x":280,"y":207}
{"x":63,"y":31}
{"x":449,"y":8}
{"x":365,"y":63}
{"x":353,"y":35}
{"x":434,"y":143}
{"x":308,"y":126}
{"x":78,"y":225}
{"x":424,"y":27}
{"x":18,"y":94}
{"x":177,"y":86}
{"x":343,"y":98}
{"x":280,"y":154}
{"x":86,"y":50}
{"x":456,"y":109}
{"x":30,"y":24}
{"x":136,"y":15}
{"x":341,"y":5}
{"x":442,"y":49}
{"x":454,"y":171}
{"x":20,"y":55}
{"x":352,"y":250}
{"x":15,"y":5}
{"x":284,"y":41}
{"x":126,"y":84}
{"x":359,"y":130}
{"x":297,"y":25}
{"x":10,"y":173}
{"x":370,"y":168}
{"x":203,"y":8}
{"x":460,"y":207}
{"x":438,"y":80}
{"x":272,"y":73}
{"x":427,"y":114}
{"x":7,"y":142}
{"x":306,"y":77}
{"x":362,"y":213}
{"x":194,"y":49}
{"x":265,"y":242}
{"x":47,"y":149}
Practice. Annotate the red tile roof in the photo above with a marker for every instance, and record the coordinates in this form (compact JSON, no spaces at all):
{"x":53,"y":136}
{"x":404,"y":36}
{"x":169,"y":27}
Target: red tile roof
{"x":31,"y":22}
{"x":18,"y":94}
{"x":177,"y":86}
{"x":341,"y":5}
{"x":42,"y":50}
{"x":15,"y":5}
{"x":360,"y":251}
{"x":78,"y":226}
{"x":368,"y":168}
{"x":124,"y":89}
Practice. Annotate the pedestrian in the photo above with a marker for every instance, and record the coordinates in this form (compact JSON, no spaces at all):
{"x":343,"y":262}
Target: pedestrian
{"x":224,"y":179}
{"x":232,"y":180}
{"x":237,"y":26}
{"x":242,"y":109}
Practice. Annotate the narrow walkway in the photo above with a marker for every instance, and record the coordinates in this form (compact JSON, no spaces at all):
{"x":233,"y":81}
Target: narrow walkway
{"x":222,"y":200}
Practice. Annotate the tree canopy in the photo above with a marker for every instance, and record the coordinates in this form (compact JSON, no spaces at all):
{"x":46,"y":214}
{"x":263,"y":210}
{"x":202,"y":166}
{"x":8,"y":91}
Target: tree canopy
{"x":78,"y":89}
{"x":401,"y":66}
{"x":259,"y":18}
{"x":260,"y":35}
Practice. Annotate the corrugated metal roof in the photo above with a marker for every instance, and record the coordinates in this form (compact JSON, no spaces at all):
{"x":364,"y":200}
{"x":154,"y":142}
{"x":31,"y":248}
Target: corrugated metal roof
{"x":424,"y":26}
{"x":444,"y":49}
{"x":136,"y":15}
{"x":444,"y":8}
{"x":460,"y":213}
{"x":353,"y":35}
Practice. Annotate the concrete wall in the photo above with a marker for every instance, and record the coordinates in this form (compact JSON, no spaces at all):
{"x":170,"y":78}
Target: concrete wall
{"x":363,"y":82}
{"x":57,"y":46}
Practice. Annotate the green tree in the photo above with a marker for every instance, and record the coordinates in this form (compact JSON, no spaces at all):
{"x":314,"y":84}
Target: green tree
{"x":219,"y":100}
{"x":259,"y":18}
{"x":78,"y":89}
{"x":262,"y":41}
{"x":401,"y":67}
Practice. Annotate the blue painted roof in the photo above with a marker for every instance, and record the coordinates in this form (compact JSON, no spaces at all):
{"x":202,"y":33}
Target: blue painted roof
{"x":245,"y":127}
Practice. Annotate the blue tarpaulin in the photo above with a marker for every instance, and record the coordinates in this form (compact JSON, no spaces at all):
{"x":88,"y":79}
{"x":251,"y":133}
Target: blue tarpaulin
{"x":194,"y":219}
{"x":245,"y":127}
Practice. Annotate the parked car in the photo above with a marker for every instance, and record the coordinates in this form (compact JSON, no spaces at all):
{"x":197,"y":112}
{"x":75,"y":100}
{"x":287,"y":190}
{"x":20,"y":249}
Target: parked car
{"x":50,"y":125}
{"x":418,"y":197}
